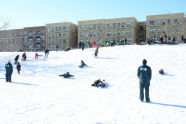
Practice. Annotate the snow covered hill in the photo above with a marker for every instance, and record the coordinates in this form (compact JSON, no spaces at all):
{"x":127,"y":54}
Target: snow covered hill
{"x":40,"y":96}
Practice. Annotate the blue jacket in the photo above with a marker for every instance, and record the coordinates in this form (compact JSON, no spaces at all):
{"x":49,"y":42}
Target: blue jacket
{"x":9,"y":68}
{"x":144,"y":74}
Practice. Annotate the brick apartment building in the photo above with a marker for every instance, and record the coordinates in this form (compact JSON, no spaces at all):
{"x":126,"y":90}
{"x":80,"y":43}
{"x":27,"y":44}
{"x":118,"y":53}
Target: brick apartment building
{"x":67,"y":35}
{"x":167,"y":25}
{"x":61,"y":35}
{"x":103,"y":30}
{"x":35,"y":38}
{"x":11,"y":40}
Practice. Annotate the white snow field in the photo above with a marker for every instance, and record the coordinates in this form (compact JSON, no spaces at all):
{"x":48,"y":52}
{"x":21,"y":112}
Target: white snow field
{"x":40,"y":96}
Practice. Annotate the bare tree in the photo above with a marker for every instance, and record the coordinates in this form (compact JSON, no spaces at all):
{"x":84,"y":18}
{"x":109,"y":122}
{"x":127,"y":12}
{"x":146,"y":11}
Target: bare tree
{"x":4,"y":25}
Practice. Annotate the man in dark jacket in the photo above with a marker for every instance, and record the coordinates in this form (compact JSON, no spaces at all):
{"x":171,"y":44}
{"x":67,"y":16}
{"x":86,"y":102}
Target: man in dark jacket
{"x":9,"y":70}
{"x":144,"y":74}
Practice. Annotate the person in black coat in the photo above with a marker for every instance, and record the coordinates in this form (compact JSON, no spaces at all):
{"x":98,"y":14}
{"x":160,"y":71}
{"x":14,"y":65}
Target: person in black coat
{"x":9,"y":71}
{"x":144,"y":74}
{"x":16,"y":59}
{"x":99,"y":83}
{"x":66,"y":75}
{"x":46,"y":53}
{"x":18,"y":67}
{"x":96,"y":52}
{"x":82,"y":64}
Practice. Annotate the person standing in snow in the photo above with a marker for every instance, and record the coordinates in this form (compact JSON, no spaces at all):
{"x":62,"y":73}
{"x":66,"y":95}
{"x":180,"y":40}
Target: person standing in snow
{"x":18,"y":67}
{"x":9,"y":71}
{"x":46,"y":53}
{"x":96,"y":52}
{"x":144,"y":74}
{"x":82,"y":45}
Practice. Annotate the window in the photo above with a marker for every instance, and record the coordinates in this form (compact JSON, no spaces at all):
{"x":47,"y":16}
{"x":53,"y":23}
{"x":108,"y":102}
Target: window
{"x":164,"y":30}
{"x":175,"y":20}
{"x":118,"y":25}
{"x":94,"y":26}
{"x":81,"y":34}
{"x":64,"y":28}
{"x":100,"y":34}
{"x":123,"y":33}
{"x":152,"y":31}
{"x":82,"y":27}
{"x":114,"y":33}
{"x":141,"y":28}
{"x":30,"y":33}
{"x":86,"y":34}
{"x":158,"y":22}
{"x":128,"y":32}
{"x":123,"y":25}
{"x":64,"y":35}
{"x":99,"y":26}
{"x":168,"y":21}
{"x":118,"y":33}
{"x":37,"y":47}
{"x":151,"y":23}
{"x":86,"y":27}
{"x":168,"y":30}
{"x":158,"y":30}
{"x":108,"y":33}
{"x":108,"y":26}
{"x":163,"y":22}
{"x":129,"y":24}
{"x":90,"y":26}
{"x":38,"y":33}
{"x":94,"y":33}
{"x":90,"y":34}
{"x":114,"y":25}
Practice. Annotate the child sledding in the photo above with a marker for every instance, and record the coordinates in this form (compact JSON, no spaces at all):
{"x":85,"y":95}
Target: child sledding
{"x":99,"y":84}
{"x":82,"y":64}
{"x":66,"y":75}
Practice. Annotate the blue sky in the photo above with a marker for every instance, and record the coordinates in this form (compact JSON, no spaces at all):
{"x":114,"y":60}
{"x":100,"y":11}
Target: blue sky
{"x":27,"y":13}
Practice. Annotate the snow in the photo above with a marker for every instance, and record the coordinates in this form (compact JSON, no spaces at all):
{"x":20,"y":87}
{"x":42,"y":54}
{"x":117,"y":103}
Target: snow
{"x":40,"y":96}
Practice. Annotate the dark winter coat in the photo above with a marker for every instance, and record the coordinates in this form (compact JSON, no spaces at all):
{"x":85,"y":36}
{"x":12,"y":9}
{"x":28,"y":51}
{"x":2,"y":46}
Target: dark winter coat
{"x":98,"y":83}
{"x":66,"y":75}
{"x":144,"y":74}
{"x":24,"y":56}
{"x":82,"y":46}
{"x":16,"y":58}
{"x":82,"y":64}
{"x":18,"y":67}
{"x":96,"y":51}
{"x":9,"y":68}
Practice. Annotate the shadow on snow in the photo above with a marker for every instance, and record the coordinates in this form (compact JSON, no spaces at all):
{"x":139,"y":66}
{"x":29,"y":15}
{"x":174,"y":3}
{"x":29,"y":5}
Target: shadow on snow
{"x":21,"y":83}
{"x":170,"y":105}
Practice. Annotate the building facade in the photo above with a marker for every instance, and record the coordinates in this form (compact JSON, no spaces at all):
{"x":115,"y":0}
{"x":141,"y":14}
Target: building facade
{"x":184,"y":30}
{"x":141,"y":32}
{"x":61,"y":36}
{"x":166,"y":28}
{"x":104,"y":30}
{"x":11,"y":40}
{"x":35,"y":38}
